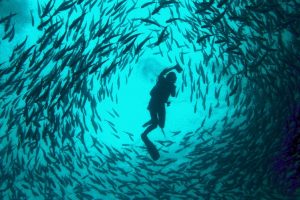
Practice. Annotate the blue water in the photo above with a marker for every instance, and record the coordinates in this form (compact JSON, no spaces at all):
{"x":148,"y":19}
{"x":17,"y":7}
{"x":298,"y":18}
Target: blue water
{"x":68,"y":131}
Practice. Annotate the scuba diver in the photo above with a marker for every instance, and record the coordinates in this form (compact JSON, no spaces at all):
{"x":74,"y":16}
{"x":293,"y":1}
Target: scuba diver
{"x":165,"y":86}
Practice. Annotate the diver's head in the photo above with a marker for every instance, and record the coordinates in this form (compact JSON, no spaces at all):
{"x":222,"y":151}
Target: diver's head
{"x":171,"y":77}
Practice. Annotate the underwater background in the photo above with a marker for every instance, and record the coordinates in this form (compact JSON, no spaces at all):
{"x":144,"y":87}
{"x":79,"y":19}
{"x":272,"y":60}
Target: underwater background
{"x":75,"y":81}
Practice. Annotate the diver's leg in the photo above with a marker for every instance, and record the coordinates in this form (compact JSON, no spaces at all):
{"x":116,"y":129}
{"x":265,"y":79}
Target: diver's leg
{"x":152,"y":107}
{"x":147,"y":123}
{"x":148,"y":130}
{"x":150,"y":146}
{"x":154,"y":115}
{"x":154,"y":121}
{"x":150,"y":121}
{"x":162,"y":116}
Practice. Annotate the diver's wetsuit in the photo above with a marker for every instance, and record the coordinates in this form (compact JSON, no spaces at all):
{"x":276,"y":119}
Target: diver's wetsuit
{"x":159,"y":96}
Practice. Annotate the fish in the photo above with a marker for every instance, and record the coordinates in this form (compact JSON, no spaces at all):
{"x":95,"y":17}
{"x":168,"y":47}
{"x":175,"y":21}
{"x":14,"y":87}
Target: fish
{"x":19,"y":46}
{"x":44,"y":23}
{"x":141,"y":44}
{"x":65,"y":6}
{"x":129,"y":46}
{"x":161,"y":36}
{"x":10,"y":34}
{"x":203,"y":7}
{"x":202,"y":38}
{"x":32,"y":18}
{"x":109,"y":69}
{"x":169,"y":2}
{"x":58,"y":41}
{"x":210,"y":111}
{"x":175,"y":19}
{"x":118,"y":5}
{"x":149,"y":21}
{"x":52,"y":102}
{"x":130,"y":38}
{"x":77,"y":21}
{"x":219,"y":17}
{"x":156,"y":10}
{"x":47,"y":9}
{"x":7,"y":18}
{"x":234,"y":89}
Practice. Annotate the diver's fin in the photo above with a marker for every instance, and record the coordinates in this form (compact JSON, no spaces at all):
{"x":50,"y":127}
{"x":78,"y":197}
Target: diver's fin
{"x":151,"y":148}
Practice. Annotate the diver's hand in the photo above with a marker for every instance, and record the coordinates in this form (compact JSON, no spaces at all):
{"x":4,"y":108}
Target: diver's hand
{"x":178,"y":68}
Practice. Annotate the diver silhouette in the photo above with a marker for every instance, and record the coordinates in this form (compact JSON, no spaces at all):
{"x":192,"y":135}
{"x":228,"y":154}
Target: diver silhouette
{"x":165,"y":86}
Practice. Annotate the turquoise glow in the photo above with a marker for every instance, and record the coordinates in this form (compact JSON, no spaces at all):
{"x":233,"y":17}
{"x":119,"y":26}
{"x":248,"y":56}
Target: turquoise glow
{"x":68,"y":133}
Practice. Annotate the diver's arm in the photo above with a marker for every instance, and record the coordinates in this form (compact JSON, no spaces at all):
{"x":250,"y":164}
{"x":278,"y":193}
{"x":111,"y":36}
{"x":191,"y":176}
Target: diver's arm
{"x":165,"y":71}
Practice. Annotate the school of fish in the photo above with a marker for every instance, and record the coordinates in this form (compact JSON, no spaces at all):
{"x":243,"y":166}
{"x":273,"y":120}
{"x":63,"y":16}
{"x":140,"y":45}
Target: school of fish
{"x":240,"y":60}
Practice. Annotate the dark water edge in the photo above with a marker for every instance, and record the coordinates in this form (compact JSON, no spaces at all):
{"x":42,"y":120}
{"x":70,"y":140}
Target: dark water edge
{"x":75,"y":81}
